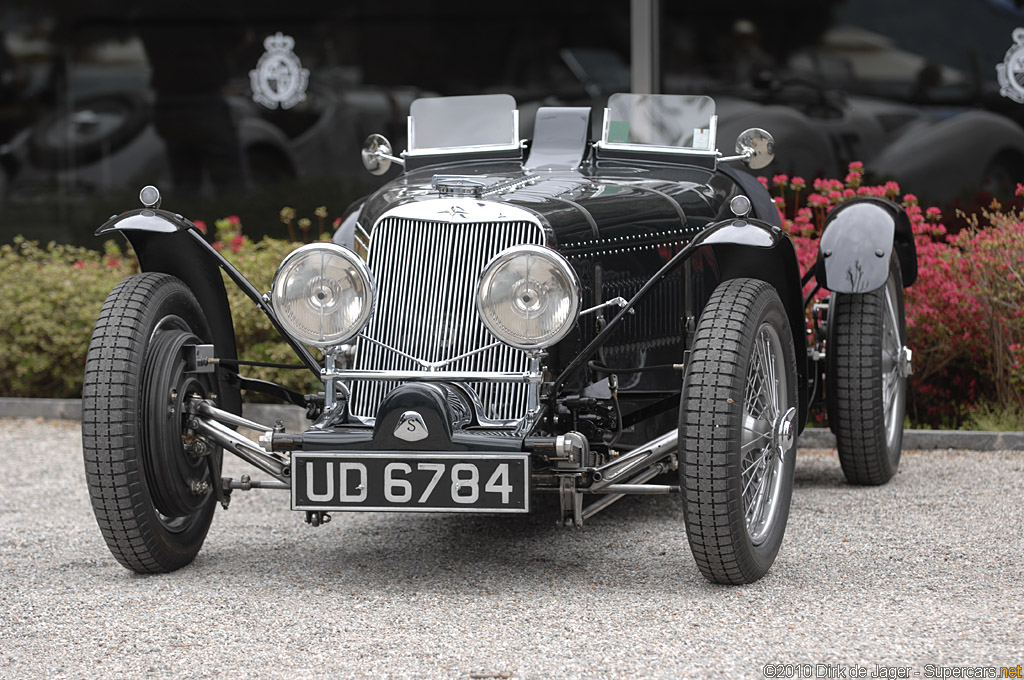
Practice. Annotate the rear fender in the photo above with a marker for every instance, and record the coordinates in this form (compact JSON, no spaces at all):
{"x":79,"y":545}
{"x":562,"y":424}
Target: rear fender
{"x":857,"y":242}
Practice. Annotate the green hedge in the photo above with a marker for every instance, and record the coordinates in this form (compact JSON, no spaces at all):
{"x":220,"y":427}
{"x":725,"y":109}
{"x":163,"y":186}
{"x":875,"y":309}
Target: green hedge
{"x":53,"y":294}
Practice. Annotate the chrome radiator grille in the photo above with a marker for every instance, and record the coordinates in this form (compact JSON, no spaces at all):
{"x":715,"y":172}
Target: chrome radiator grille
{"x":426,"y":274}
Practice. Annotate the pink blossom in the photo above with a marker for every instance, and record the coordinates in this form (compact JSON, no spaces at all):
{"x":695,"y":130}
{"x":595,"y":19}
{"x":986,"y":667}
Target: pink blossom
{"x":200,"y":225}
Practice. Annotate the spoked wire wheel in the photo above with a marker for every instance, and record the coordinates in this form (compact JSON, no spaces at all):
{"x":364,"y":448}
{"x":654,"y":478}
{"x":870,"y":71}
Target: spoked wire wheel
{"x":763,"y":456}
{"x":737,"y":432}
{"x":894,"y":367}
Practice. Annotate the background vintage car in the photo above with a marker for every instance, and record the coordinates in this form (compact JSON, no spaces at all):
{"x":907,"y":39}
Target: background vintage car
{"x":54,"y":54}
{"x":103,"y":143}
{"x":562,"y":316}
{"x":938,"y":148}
{"x":106,"y":139}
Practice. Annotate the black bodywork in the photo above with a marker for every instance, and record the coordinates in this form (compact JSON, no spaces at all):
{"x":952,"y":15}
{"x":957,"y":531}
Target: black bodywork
{"x":618,"y":223}
{"x":651,"y":236}
{"x":658,"y":234}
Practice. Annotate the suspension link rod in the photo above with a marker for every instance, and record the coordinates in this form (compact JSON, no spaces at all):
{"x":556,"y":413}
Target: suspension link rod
{"x":245,"y":484}
{"x":635,"y":460}
{"x":244,"y":448}
{"x":598,"y":506}
{"x":649,"y":489}
{"x":205,"y":408}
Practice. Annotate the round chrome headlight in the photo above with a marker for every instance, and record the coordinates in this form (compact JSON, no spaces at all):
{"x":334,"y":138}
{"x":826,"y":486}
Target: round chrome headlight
{"x":528,"y":297}
{"x":323,"y":294}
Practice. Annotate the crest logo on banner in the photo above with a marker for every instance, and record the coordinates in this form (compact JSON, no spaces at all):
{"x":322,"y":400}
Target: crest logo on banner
{"x":1011,"y":71}
{"x":279,"y":79}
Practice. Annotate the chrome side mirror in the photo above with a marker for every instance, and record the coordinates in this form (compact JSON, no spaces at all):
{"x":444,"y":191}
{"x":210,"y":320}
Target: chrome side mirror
{"x":756,"y":147}
{"x":377,"y":155}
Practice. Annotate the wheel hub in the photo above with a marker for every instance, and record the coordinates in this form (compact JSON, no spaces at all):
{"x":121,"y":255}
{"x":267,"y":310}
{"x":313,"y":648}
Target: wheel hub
{"x":905,"y":360}
{"x":174,"y":472}
{"x":783,"y":433}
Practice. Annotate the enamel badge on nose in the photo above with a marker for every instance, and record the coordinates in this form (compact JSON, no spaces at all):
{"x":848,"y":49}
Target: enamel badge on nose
{"x":411,"y":427}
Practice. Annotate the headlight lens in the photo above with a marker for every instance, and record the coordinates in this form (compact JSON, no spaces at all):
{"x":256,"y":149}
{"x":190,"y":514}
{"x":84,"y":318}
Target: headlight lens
{"x":528,"y":297}
{"x":323,"y":294}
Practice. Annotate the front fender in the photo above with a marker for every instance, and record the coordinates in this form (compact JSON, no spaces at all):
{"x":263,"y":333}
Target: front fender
{"x":742,"y":247}
{"x":169,"y":243}
{"x":345,"y":234}
{"x":857,"y":242}
{"x":755,"y":249}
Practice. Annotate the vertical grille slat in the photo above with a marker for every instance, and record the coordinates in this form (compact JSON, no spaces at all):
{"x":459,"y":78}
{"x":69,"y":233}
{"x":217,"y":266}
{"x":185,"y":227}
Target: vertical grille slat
{"x":426,"y":275}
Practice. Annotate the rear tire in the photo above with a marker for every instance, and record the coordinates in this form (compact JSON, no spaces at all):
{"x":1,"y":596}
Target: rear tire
{"x":866,"y":387}
{"x":141,"y":477}
{"x":737,"y":432}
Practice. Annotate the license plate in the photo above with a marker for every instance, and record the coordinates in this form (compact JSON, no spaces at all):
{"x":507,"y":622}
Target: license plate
{"x":411,"y":482}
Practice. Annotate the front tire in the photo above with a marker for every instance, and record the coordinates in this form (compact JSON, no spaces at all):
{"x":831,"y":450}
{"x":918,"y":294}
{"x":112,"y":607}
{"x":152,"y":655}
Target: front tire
{"x":737,"y":432}
{"x":153,"y":497}
{"x":868,"y":362}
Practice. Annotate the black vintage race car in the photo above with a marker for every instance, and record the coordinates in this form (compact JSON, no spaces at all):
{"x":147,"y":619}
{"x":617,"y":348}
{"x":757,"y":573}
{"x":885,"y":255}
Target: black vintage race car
{"x":581,"y":318}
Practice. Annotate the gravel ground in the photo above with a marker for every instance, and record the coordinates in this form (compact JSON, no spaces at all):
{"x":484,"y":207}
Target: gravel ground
{"x":925,"y":573}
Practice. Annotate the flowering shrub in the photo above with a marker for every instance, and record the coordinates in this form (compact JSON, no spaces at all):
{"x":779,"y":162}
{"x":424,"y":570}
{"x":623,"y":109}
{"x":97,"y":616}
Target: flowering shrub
{"x":964,"y":319}
{"x":993,"y":267}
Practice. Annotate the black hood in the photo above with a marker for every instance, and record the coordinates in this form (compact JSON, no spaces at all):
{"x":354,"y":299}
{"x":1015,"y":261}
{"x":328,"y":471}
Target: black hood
{"x":592,"y":204}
